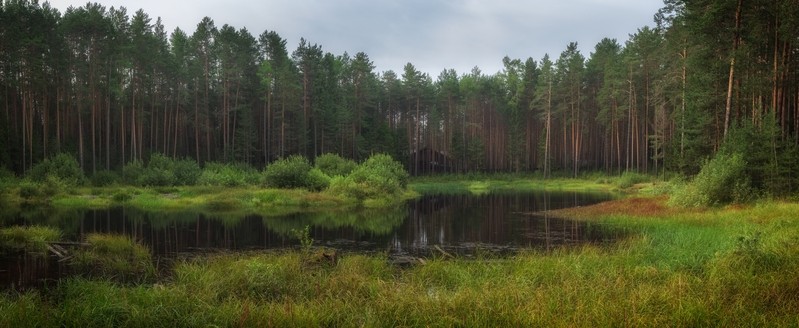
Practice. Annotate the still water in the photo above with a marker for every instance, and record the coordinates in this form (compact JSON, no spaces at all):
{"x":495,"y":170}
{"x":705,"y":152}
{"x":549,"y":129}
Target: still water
{"x":464,"y":225}
{"x":457,"y":222}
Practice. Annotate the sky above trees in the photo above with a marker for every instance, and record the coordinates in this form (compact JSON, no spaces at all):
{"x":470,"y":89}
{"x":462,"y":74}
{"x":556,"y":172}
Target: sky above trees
{"x":432,"y":34}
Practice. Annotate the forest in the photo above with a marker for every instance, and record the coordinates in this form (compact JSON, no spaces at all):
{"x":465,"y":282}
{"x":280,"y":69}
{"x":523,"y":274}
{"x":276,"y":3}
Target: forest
{"x":109,"y":87}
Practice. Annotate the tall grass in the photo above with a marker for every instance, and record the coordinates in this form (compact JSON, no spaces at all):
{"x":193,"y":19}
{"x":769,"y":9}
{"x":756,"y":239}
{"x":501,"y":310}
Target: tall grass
{"x":731,"y":266}
{"x":114,"y":257}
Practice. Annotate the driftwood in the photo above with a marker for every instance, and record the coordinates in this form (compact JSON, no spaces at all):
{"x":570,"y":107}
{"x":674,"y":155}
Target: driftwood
{"x":61,"y":249}
{"x":443,"y":252}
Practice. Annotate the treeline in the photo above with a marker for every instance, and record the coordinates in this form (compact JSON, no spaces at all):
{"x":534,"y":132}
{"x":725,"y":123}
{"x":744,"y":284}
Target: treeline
{"x":111,"y":87}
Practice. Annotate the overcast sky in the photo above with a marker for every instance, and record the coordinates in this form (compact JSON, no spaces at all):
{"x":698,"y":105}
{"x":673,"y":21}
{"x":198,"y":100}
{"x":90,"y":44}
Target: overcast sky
{"x":431,"y":34}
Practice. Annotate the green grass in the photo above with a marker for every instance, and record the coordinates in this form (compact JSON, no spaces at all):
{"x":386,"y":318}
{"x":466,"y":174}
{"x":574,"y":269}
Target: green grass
{"x":486,"y":183}
{"x":114,"y":257}
{"x":237,"y":200}
{"x":732,"y":266}
{"x":32,"y":239}
{"x":722,"y":267}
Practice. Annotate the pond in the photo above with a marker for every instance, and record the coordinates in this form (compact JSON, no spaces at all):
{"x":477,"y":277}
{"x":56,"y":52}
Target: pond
{"x":460,"y":224}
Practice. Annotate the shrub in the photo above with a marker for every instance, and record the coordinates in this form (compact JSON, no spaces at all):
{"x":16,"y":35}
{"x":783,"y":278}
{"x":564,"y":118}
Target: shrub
{"x":187,"y":172}
{"x":228,"y":175}
{"x":105,"y":178}
{"x":131,"y":172}
{"x":159,"y":172}
{"x":630,"y":178}
{"x":721,"y":180}
{"x":6,"y":176}
{"x":333,"y":165}
{"x":7,"y":181}
{"x":317,"y":180}
{"x":63,"y":166}
{"x":291,"y":172}
{"x":385,"y":165}
{"x":29,"y":190}
{"x":53,"y":185}
{"x":379,"y":176}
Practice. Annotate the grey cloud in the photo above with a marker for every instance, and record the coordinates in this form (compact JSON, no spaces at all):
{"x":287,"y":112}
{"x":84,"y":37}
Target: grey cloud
{"x":431,"y":34}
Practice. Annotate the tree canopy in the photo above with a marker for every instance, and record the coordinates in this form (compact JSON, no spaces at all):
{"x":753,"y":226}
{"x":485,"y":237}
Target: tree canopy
{"x":110,"y":87}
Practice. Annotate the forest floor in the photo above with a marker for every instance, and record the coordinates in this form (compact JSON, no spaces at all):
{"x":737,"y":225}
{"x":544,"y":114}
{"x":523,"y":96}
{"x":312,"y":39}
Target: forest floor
{"x":729,"y":266}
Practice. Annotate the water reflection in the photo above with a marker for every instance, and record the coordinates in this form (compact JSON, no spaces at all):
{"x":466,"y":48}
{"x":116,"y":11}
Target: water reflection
{"x":454,"y":222}
{"x":460,"y":224}
{"x":498,"y":222}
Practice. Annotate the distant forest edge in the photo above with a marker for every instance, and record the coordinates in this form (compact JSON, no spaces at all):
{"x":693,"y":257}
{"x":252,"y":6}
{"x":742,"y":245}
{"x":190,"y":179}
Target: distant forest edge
{"x":110,"y":87}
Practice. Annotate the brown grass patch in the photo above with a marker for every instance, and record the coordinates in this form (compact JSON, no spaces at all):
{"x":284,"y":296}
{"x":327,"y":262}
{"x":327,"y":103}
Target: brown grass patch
{"x":634,"y":206}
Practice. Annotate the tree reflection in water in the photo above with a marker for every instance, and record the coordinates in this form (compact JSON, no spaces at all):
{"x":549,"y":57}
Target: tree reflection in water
{"x":454,"y":222}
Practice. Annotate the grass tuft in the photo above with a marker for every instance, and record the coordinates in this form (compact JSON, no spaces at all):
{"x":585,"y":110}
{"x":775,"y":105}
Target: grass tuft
{"x":115,"y":257}
{"x":27,"y":238}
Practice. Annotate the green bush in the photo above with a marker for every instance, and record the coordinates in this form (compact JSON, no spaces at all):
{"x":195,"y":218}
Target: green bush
{"x":385,"y":165}
{"x":228,"y":175}
{"x":132,"y":171}
{"x":333,"y":165}
{"x":6,"y":177}
{"x":187,"y":172}
{"x":291,"y":172}
{"x":29,"y":189}
{"x":105,"y":178}
{"x":721,"y":180}
{"x":53,"y":185}
{"x":162,"y":171}
{"x":772,"y":162}
{"x":379,"y":176}
{"x":63,"y":166}
{"x":159,"y":172}
{"x":317,"y":180}
{"x":630,"y":178}
{"x":7,"y":181}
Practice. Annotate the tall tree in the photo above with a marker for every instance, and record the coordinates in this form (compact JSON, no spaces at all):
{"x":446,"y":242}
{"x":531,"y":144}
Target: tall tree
{"x":544,"y":106}
{"x":569,"y":90}
{"x":203,"y":43}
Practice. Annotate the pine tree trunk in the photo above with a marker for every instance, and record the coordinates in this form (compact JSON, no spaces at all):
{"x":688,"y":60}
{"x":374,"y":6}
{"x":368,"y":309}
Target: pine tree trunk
{"x":736,"y":40}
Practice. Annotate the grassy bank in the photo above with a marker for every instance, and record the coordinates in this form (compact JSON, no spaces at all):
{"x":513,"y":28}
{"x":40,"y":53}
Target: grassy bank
{"x":477,"y":183}
{"x":229,"y":200}
{"x":733,"y":266}
{"x":243,"y":200}
{"x":286,"y":185}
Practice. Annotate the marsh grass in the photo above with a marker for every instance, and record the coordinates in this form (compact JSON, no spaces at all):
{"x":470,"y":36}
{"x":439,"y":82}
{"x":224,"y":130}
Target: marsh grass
{"x":584,"y":286}
{"x":486,"y":183}
{"x":733,"y":266}
{"x":31,"y":239}
{"x":238,"y":200}
{"x":114,"y":257}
